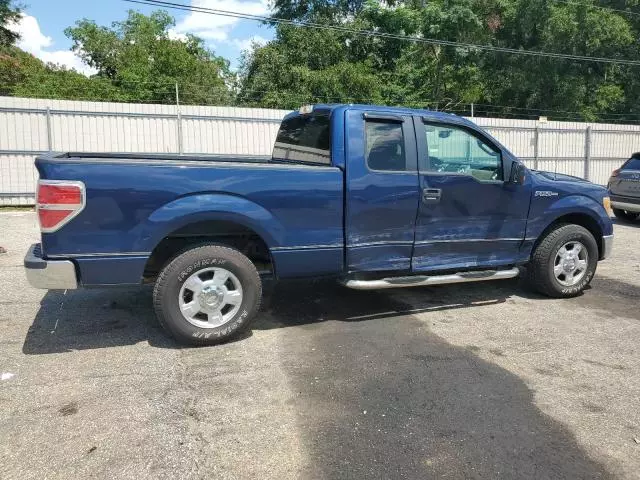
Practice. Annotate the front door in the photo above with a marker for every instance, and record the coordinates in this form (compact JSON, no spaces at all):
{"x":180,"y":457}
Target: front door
{"x":469,"y":217}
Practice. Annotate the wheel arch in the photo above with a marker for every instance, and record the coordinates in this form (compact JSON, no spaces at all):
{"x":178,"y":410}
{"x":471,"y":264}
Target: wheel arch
{"x":217,"y":231}
{"x":576,"y":218}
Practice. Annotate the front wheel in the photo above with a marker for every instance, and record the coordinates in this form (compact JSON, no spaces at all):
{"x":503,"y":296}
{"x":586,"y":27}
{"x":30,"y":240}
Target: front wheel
{"x":564,"y":262}
{"x":625,"y":215}
{"x":207,"y":295}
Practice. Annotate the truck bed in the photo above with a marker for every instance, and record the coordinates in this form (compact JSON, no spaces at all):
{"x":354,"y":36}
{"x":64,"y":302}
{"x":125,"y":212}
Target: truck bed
{"x":133,"y":201}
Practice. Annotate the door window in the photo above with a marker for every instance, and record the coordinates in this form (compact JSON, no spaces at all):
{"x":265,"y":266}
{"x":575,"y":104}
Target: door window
{"x":385,"y":146}
{"x":457,"y":150}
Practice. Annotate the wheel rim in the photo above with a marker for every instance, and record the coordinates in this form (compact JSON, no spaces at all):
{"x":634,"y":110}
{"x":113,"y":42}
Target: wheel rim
{"x":210,"y":297}
{"x":571,"y":263}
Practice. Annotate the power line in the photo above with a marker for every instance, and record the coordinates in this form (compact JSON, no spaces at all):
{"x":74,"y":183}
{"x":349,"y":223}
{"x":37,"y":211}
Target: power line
{"x":373,"y":33}
{"x":201,"y":92}
{"x":580,"y":4}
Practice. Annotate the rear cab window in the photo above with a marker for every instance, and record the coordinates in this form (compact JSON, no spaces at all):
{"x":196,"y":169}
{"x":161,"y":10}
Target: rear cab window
{"x":305,"y":139}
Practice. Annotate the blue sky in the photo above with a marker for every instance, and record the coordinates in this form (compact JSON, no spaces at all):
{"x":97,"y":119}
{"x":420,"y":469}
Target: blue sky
{"x":42,"y":26}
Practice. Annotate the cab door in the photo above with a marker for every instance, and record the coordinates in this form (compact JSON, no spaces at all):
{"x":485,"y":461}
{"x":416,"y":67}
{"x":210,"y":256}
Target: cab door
{"x":469,"y":216}
{"x":382,"y":191}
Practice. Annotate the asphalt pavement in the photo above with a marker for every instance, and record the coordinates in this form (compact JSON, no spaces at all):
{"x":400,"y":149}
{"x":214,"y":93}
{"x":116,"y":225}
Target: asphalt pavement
{"x":486,"y":381}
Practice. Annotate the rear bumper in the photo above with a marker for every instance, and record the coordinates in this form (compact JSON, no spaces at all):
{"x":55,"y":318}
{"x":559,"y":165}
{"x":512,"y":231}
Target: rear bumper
{"x":607,"y":246}
{"x":49,"y":274}
{"x":629,"y":207}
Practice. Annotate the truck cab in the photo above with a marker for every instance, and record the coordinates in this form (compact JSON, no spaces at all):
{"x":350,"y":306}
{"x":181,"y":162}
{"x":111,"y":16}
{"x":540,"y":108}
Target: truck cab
{"x":377,"y":197}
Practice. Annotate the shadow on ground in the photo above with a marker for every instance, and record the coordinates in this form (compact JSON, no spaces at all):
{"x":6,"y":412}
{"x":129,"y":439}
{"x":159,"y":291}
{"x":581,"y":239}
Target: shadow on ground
{"x":87,"y":319}
{"x":386,"y":398}
{"x":384,"y":401}
{"x":375,"y":393}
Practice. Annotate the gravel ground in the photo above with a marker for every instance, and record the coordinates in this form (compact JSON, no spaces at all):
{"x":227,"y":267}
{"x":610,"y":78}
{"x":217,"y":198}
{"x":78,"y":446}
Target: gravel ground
{"x":470,"y":381}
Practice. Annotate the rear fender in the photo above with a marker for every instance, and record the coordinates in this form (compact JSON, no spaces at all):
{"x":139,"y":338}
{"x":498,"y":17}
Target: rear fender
{"x":202,"y":207}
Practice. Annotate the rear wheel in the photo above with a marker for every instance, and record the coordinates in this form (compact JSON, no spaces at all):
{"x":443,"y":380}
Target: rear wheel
{"x":207,"y":295}
{"x":625,"y":215}
{"x":564,"y":262}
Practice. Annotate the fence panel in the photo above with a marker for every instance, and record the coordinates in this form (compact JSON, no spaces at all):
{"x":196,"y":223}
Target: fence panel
{"x":18,"y":179}
{"x":32,"y":126}
{"x":520,"y":141}
{"x":609,"y":150}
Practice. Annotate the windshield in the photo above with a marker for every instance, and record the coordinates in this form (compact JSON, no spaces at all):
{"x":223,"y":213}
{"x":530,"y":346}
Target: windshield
{"x":305,"y":138}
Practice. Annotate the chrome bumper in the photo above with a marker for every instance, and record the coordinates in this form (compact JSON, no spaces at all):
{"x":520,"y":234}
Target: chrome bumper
{"x":49,"y":274}
{"x":607,"y":246}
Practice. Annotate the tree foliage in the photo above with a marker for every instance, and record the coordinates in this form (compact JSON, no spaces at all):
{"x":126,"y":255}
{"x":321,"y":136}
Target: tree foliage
{"x":139,"y":57}
{"x":305,"y":65}
{"x":23,"y":75}
{"x":139,"y":60}
{"x":9,"y":13}
{"x":136,"y":60}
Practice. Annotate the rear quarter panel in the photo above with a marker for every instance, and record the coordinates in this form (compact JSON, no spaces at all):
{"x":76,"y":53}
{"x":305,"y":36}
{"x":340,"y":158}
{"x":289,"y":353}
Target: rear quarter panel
{"x":132,"y":205}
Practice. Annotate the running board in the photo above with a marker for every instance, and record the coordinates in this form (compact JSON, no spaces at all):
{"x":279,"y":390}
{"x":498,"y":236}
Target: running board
{"x":423,"y":280}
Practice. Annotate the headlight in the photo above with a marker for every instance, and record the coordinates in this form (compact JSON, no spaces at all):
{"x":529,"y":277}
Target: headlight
{"x":606,"y":203}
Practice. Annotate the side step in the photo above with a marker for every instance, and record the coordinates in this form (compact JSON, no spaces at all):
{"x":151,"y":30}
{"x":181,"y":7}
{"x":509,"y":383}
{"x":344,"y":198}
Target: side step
{"x":423,"y":280}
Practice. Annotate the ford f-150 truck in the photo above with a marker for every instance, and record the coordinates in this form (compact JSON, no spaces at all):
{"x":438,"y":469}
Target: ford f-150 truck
{"x":376,"y":197}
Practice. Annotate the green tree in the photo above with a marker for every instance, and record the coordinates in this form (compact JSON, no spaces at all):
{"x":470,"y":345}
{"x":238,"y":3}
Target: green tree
{"x":8,"y":14}
{"x":303,"y":66}
{"x":341,"y":66}
{"x":139,"y":57}
{"x":23,"y":75}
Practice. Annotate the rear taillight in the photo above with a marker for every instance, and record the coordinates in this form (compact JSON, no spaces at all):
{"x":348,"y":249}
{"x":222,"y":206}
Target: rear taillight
{"x":615,"y":172}
{"x":58,"y":202}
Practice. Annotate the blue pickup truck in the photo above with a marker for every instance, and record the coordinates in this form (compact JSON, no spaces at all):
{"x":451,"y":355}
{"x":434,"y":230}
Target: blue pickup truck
{"x":375,"y":197}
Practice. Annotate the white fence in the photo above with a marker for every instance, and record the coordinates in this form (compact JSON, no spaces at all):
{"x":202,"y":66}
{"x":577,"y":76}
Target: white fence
{"x":32,"y":126}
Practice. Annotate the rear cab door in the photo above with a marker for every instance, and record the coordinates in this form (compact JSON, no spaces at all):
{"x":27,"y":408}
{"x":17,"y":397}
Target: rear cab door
{"x":382,"y":190}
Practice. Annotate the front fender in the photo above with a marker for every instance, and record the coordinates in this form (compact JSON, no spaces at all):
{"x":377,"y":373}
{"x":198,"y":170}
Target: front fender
{"x":544,"y":215}
{"x":214,"y":206}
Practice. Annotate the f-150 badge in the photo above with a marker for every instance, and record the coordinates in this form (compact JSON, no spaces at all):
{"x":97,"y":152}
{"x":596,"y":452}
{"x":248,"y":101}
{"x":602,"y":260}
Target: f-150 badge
{"x":546,"y":193}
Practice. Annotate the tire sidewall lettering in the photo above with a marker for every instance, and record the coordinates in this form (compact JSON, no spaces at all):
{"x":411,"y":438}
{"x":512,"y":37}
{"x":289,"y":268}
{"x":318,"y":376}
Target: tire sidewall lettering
{"x":200,"y":264}
{"x":173,"y":276}
{"x":222,"y":331}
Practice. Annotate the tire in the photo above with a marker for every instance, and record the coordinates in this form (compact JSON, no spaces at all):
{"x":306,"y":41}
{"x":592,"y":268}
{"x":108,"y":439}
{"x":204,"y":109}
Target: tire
{"x":215,"y":310}
{"x":624,"y":215}
{"x":544,"y":262}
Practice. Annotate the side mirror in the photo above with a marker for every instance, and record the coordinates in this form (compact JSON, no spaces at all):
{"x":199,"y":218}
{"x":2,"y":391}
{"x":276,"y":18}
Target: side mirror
{"x":518,"y":173}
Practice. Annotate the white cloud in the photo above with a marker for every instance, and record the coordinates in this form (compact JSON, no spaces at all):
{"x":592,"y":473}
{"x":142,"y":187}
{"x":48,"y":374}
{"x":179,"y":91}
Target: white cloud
{"x":246,"y":43}
{"x":216,"y":27}
{"x":35,"y":42}
{"x":173,"y":35}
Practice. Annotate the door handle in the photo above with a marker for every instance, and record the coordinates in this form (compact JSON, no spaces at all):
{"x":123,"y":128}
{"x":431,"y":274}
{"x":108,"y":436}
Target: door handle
{"x":431,"y":195}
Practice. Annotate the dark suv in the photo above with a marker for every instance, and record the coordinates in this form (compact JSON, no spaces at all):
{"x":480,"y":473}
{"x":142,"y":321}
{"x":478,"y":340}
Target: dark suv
{"x":624,"y":189}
